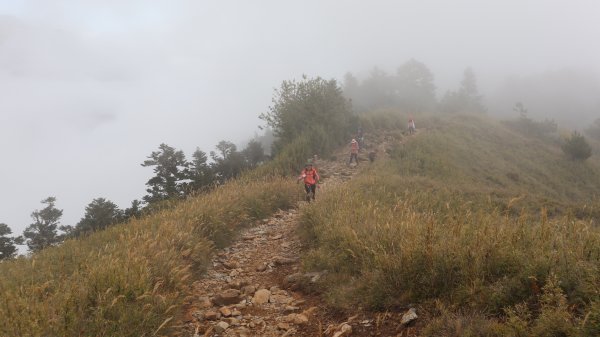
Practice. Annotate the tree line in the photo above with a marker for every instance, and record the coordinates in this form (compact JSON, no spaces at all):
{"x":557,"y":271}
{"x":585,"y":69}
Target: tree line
{"x":412,"y":89}
{"x":311,"y":108}
{"x":310,"y":115}
{"x":174,"y":177}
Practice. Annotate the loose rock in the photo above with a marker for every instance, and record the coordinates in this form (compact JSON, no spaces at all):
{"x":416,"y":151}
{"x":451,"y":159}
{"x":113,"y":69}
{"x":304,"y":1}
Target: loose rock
{"x":283,"y":326}
{"x":229,"y":296}
{"x":221,"y":326}
{"x":261,"y":267}
{"x":212,"y":315}
{"x":344,"y":330}
{"x":280,"y":260}
{"x":225,"y":311}
{"x":296,"y":319}
{"x":409,"y":316}
{"x":261,"y":296}
{"x":203,"y":302}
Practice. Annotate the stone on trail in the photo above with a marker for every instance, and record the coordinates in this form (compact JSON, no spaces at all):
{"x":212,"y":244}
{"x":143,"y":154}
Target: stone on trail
{"x":231,"y":264}
{"x":283,"y":326}
{"x":248,"y":290}
{"x":211,"y":315}
{"x":261,"y":296}
{"x":290,"y":308}
{"x":199,"y":315}
{"x":232,"y":321}
{"x":204,"y":302}
{"x":296,"y":319}
{"x":261,"y":267}
{"x":409,"y":316}
{"x":281,"y":299}
{"x":227,"y":297}
{"x":280,"y":260}
{"x":308,"y":312}
{"x":221,"y":326}
{"x":344,"y":330}
{"x":225,"y":311}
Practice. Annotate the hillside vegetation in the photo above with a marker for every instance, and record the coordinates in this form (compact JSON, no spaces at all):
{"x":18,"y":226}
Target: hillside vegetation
{"x":131,"y":279}
{"x":492,"y":232}
{"x":135,"y":278}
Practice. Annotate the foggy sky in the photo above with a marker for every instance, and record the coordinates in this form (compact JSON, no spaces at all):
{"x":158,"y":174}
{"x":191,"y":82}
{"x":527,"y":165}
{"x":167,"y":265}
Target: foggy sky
{"x":89,"y":88}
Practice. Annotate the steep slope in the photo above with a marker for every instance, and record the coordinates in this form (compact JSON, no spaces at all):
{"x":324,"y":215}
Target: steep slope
{"x":470,"y":216}
{"x":131,"y":279}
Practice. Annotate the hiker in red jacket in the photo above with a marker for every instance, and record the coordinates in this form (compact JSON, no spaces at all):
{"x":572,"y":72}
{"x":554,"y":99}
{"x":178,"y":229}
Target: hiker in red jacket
{"x":353,"y":152}
{"x":311,"y":177}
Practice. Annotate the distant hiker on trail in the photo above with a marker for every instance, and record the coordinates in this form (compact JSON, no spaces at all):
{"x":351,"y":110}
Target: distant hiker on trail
{"x":360,"y":137}
{"x":311,"y":177}
{"x":354,"y":147}
{"x":411,"y":126}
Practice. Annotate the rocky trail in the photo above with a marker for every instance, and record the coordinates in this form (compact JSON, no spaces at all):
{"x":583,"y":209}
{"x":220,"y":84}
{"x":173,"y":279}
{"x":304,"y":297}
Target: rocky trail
{"x":254,"y":286}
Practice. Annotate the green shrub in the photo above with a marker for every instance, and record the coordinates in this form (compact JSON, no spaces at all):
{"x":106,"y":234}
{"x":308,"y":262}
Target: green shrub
{"x":577,"y":147}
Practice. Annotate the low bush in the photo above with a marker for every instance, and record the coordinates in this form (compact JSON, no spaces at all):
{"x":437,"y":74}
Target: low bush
{"x":577,"y":147}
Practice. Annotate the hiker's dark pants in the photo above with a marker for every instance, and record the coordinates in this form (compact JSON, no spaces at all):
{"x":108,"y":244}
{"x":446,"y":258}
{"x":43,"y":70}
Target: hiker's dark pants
{"x":353,"y":156}
{"x":311,"y":188}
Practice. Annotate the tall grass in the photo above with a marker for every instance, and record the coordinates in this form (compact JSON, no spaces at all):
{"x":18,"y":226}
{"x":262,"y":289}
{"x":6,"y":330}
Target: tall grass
{"x":442,"y":221}
{"x":131,"y":279}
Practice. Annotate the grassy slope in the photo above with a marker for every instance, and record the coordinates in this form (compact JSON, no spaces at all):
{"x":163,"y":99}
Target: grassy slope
{"x":130,"y":279}
{"x":469,"y":213}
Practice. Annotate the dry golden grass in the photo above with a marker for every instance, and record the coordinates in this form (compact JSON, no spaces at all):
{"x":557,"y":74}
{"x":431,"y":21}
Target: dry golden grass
{"x":443,"y":221}
{"x":131,"y":279}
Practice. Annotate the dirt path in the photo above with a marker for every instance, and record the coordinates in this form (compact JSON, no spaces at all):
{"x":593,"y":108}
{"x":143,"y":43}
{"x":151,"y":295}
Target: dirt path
{"x":252,"y":288}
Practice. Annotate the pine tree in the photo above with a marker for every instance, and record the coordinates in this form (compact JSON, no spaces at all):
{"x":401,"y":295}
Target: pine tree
{"x":42,"y":232}
{"x":414,"y":87}
{"x":99,"y":214}
{"x":8,"y":245}
{"x":200,"y":172}
{"x":170,"y":169}
{"x":135,"y":210}
{"x":228,"y":161}
{"x":254,"y":153}
{"x":466,"y":99}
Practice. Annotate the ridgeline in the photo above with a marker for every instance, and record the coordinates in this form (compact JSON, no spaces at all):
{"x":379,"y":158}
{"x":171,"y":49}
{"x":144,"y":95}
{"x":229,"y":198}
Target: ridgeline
{"x":479,"y":228}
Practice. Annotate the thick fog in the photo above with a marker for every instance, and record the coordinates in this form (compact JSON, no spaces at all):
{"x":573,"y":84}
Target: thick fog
{"x":89,"y":88}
